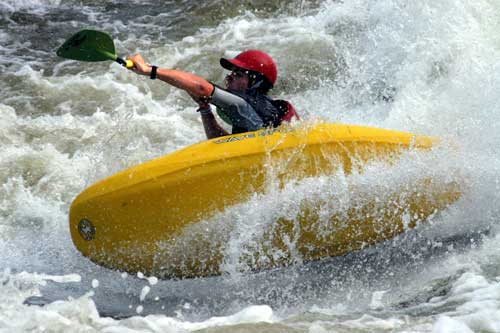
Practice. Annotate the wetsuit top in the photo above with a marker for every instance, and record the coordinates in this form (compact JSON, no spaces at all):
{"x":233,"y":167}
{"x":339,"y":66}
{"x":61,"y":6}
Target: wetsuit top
{"x":250,"y":110}
{"x":236,"y":111}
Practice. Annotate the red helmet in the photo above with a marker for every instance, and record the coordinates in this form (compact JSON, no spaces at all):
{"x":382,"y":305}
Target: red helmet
{"x":253,"y":60}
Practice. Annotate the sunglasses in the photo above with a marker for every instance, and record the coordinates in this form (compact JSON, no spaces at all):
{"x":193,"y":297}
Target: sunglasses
{"x":238,"y":74}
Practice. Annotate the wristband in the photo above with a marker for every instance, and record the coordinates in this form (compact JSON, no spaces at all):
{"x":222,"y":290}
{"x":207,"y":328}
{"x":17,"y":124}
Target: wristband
{"x":205,"y":111}
{"x":152,"y":76}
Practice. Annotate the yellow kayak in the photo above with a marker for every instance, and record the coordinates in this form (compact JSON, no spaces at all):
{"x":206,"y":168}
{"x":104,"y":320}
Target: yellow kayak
{"x":161,"y":217}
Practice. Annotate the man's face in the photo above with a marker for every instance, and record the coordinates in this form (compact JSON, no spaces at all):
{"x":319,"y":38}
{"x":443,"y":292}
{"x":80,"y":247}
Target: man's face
{"x":237,"y":80}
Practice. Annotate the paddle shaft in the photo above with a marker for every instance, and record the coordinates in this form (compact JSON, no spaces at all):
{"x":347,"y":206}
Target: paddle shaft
{"x":124,"y":62}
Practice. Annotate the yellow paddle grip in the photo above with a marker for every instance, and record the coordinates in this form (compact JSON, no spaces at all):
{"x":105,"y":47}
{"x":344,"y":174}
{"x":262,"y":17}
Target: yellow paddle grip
{"x":129,"y":63}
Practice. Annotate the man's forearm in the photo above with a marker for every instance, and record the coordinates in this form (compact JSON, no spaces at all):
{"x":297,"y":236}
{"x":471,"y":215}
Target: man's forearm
{"x":194,"y":85}
{"x":212,"y":128}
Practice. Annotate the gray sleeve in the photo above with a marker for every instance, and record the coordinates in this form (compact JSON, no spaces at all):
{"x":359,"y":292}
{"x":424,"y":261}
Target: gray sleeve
{"x":237,"y":109}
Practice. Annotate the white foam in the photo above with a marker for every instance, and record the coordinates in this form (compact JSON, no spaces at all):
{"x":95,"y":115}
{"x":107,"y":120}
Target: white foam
{"x":252,"y":314}
{"x":449,"y":325}
{"x":479,"y":305}
{"x":374,"y":323}
{"x":40,"y":5}
{"x":144,"y":292}
{"x":40,"y":279}
{"x":152,"y":280}
{"x":377,"y":302}
{"x":81,"y":313}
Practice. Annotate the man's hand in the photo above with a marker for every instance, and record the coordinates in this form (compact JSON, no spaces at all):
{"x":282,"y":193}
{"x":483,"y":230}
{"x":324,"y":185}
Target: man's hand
{"x":140,"y":66}
{"x":203,"y":102}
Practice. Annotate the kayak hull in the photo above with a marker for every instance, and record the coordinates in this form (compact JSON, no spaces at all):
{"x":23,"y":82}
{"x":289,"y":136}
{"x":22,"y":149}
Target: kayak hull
{"x":160,"y":217}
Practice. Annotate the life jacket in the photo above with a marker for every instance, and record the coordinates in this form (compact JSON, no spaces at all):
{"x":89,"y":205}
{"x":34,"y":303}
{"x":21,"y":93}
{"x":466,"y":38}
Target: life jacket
{"x":272,"y":112}
{"x":286,"y":110}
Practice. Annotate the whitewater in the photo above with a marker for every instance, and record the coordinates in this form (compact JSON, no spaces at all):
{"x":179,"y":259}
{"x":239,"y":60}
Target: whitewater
{"x":426,"y":67}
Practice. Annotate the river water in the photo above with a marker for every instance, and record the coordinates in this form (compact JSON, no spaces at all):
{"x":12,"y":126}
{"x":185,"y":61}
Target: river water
{"x":429,"y":67}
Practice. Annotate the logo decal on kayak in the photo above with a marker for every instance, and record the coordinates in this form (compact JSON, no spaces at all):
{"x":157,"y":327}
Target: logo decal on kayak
{"x":86,"y":229}
{"x":252,"y":135}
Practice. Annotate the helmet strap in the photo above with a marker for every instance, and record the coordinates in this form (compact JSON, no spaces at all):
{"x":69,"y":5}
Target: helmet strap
{"x":256,"y":80}
{"x":255,"y":85}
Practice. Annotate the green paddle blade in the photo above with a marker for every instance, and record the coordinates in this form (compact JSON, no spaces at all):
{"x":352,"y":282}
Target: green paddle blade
{"x":88,"y":45}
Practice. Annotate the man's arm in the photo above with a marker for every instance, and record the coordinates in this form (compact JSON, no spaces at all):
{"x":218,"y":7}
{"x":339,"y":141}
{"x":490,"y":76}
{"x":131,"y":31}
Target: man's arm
{"x":212,"y":128}
{"x":194,"y":85}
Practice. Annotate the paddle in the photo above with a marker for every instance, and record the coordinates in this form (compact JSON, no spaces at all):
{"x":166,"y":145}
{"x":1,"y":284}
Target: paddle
{"x":91,"y":45}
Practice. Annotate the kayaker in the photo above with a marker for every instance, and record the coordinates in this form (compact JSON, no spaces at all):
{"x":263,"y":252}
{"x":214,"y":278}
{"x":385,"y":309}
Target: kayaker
{"x":244,"y":103}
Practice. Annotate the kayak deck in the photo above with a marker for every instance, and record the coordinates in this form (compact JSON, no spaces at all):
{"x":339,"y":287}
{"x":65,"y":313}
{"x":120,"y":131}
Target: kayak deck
{"x":145,"y":218}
